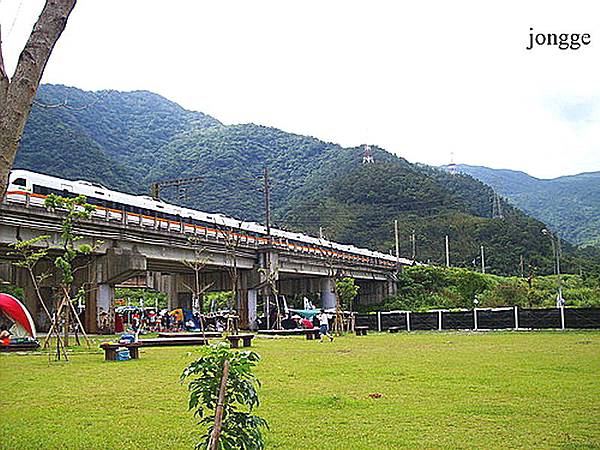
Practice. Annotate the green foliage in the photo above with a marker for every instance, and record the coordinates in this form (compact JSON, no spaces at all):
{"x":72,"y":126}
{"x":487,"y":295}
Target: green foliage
{"x":73,"y":209}
{"x":30,"y":251}
{"x":147,"y":297}
{"x":347,"y":290}
{"x":223,"y":299}
{"x":11,"y":289}
{"x":422,"y":288}
{"x":240,"y":428}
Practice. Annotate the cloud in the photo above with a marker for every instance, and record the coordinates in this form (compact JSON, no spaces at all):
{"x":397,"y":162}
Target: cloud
{"x":579,"y":111}
{"x":422,"y":79}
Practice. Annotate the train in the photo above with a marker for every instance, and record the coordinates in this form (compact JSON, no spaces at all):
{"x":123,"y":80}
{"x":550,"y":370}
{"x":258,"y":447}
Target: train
{"x":31,"y":188}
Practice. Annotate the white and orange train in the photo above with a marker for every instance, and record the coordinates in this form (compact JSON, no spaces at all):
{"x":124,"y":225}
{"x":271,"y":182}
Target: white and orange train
{"x":32,"y":188}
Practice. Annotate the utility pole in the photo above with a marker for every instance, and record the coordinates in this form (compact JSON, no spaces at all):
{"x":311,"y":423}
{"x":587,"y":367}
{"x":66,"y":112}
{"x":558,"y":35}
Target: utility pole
{"x":556,"y":250}
{"x":447,"y":252}
{"x":414,"y":245}
{"x":397,"y":245}
{"x":320,"y":232}
{"x":482,"y":259}
{"x":267,"y":206}
{"x":522,"y":266}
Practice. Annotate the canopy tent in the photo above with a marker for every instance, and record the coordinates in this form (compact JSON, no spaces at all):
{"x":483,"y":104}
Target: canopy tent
{"x":16,"y":311}
{"x":307,"y":313}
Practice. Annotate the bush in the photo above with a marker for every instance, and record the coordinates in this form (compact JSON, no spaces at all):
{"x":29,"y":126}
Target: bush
{"x":422,"y":288}
{"x":240,"y":428}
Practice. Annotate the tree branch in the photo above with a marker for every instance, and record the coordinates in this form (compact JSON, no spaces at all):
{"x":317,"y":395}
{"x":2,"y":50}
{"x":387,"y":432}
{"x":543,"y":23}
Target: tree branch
{"x":20,"y":91}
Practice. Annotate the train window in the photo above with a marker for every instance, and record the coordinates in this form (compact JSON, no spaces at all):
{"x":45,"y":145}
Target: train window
{"x":37,"y":189}
{"x":99,"y":192}
{"x":20,"y":182}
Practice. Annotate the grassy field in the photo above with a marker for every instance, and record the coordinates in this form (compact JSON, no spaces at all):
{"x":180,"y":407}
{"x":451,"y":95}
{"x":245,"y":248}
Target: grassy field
{"x":438,"y":390}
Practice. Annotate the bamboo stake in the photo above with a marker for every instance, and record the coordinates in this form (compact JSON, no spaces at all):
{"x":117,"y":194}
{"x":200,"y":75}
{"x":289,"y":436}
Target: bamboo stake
{"x":59,"y":342}
{"x":216,"y":432}
{"x":87,"y":339}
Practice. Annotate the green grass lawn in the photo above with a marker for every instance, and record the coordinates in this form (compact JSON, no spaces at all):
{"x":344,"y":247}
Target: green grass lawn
{"x":439,"y":390}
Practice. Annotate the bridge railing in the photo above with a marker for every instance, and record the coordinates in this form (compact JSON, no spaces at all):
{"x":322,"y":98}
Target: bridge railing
{"x":206,"y":232}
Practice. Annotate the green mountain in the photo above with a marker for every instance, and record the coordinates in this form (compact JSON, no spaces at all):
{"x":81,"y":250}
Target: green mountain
{"x":106,"y":136}
{"x":570,"y":204}
{"x":128,"y":140}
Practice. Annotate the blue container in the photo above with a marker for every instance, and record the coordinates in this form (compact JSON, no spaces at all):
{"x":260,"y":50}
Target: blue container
{"x":127,"y":339}
{"x":123,"y":354}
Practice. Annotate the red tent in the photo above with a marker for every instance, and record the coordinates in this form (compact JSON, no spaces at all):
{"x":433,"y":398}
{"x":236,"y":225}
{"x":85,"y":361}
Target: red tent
{"x":16,"y":311}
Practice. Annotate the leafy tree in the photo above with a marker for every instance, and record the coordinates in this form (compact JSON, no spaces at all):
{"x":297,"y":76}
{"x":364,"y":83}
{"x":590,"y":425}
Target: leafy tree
{"x":347,"y":290}
{"x":240,"y":428}
{"x":74,"y":209}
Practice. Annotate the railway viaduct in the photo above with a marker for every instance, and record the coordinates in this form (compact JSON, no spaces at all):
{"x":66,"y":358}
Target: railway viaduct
{"x":157,"y":256}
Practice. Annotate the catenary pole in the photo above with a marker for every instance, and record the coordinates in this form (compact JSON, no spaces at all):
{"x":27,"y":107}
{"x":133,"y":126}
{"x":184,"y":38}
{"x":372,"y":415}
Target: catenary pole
{"x":397,"y":245}
{"x":482,"y":259}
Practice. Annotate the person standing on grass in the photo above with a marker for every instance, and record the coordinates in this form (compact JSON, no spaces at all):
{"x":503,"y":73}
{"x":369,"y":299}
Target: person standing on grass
{"x":324,"y":325}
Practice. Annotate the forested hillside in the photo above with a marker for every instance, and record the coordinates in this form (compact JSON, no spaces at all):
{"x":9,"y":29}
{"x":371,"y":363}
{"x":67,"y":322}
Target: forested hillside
{"x":569,"y":204}
{"x":127,"y":140}
{"x":107,"y":136}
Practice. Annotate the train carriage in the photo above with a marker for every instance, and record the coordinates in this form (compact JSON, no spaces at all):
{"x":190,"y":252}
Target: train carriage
{"x":30,"y":188}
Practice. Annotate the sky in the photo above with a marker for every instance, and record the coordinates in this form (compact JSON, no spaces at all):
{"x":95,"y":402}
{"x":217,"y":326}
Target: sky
{"x":432,"y":81}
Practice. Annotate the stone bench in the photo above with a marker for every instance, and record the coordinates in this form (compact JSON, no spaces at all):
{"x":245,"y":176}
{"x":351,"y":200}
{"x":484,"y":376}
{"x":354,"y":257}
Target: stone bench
{"x":312,"y":334}
{"x":361,"y":331}
{"x":110,"y":350}
{"x":234,"y":340}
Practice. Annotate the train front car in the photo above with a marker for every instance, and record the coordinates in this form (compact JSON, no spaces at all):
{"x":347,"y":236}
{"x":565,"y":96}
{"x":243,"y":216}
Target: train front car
{"x":19,"y":186}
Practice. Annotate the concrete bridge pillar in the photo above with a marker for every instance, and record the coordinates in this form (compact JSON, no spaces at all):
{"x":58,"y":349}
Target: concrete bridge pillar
{"x":179,"y":295}
{"x":252,"y":309}
{"x":105,"y":308}
{"x":327,"y":293}
{"x":247,"y":299}
{"x":392,"y":288}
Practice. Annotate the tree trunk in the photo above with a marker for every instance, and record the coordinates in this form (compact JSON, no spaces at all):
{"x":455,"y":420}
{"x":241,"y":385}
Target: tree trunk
{"x":67,"y":321}
{"x":17,"y":95}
